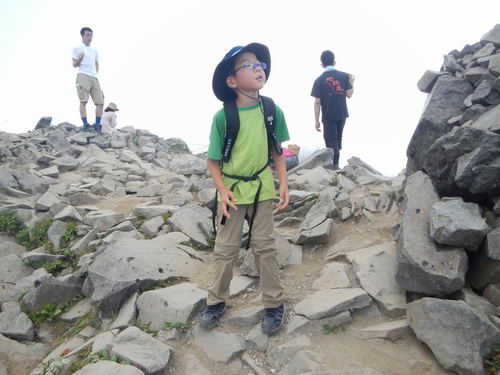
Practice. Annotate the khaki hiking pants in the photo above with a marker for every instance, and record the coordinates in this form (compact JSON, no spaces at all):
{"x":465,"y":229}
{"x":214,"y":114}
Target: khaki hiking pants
{"x":227,"y":249}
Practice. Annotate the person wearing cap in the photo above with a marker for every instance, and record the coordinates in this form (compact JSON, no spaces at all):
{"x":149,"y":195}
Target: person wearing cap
{"x":108,"y":121}
{"x":330,"y":91}
{"x":86,"y":59}
{"x":240,"y":76}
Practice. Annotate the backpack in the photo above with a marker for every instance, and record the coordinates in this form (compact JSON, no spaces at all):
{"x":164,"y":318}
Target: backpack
{"x":232,"y":129}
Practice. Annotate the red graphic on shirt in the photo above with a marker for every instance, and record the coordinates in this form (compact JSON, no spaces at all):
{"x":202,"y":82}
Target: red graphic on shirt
{"x":334,"y":85}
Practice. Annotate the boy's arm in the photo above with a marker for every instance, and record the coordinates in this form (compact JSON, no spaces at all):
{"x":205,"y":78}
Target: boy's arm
{"x":226,"y":195}
{"x":284,"y":194}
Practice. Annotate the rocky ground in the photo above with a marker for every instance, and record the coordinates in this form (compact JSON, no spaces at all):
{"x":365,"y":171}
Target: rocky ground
{"x":344,"y":350}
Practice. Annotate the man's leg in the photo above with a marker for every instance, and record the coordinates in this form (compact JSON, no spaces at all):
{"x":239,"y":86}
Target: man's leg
{"x":331,"y":141}
{"x":336,"y":155}
{"x":82,"y":90}
{"x":99,"y":110}
{"x":83,"y":109}
{"x":83,"y":115}
{"x":98,"y":99}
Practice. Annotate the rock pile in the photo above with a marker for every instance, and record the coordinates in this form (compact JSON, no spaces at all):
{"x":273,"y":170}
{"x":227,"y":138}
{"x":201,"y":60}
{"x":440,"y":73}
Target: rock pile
{"x":448,"y":242}
{"x":128,"y":236}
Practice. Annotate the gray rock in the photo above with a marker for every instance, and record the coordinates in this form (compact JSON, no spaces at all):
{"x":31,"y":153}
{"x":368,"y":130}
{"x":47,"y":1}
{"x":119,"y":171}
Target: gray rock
{"x":12,"y":269}
{"x":229,"y":346}
{"x":126,"y":266}
{"x":445,"y":101}
{"x":143,"y":351}
{"x":16,"y":325}
{"x":374,"y":267}
{"x":422,"y":265}
{"x":175,"y":304}
{"x":332,"y":301}
{"x":457,"y":223}
{"x":108,"y":368}
{"x":434,"y":322}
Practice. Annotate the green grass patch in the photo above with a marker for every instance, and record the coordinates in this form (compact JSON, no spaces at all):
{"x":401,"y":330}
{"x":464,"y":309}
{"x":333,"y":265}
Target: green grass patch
{"x":327,"y":329}
{"x":493,"y":360}
{"x":180,"y":327}
{"x":11,"y":223}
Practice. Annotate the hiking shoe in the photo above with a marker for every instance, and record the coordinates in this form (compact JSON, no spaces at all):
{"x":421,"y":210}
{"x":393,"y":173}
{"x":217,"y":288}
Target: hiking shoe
{"x":210,"y":316}
{"x":86,"y":128}
{"x":273,"y":319}
{"x":97,"y":128}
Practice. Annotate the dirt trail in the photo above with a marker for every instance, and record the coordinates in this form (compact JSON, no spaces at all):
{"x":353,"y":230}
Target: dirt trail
{"x":343,"y":350}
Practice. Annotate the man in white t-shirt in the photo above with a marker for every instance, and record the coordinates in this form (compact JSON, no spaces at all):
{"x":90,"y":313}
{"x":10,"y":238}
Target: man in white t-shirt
{"x":86,"y":59}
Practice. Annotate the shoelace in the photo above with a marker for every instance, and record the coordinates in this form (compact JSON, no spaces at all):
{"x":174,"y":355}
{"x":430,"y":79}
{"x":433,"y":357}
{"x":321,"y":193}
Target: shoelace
{"x":212,"y":309}
{"x":271,"y":312}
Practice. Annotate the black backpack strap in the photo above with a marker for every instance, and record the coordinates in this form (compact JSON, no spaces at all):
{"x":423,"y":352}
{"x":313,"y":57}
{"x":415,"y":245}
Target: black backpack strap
{"x":232,"y":128}
{"x":270,"y":119}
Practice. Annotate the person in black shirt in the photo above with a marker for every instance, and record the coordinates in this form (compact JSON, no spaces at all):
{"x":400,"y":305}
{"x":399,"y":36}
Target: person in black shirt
{"x":331,"y":89}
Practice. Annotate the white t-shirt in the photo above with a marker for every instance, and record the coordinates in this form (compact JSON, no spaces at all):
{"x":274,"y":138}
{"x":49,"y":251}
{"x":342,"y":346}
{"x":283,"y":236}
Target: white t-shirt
{"x":87,"y":66}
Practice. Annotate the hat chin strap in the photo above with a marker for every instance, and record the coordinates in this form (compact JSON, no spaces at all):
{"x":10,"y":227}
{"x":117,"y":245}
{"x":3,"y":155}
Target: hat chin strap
{"x":248,"y":96}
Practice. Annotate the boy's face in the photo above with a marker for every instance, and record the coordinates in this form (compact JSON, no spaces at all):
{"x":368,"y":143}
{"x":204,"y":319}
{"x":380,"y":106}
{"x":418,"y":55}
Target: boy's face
{"x":247,"y":77}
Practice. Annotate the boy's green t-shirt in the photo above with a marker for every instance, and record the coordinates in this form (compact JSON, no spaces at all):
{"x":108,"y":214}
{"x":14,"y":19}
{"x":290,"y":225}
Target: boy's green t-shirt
{"x":249,"y":153}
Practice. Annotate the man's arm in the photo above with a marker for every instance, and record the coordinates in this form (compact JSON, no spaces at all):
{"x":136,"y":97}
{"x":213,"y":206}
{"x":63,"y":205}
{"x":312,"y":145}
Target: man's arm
{"x":77,"y":62}
{"x":317,"y":111}
{"x":97,"y":66}
{"x":349,"y":92}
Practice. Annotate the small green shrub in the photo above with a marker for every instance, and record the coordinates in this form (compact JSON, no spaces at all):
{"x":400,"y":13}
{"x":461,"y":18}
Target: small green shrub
{"x":312,"y":198}
{"x":84,"y":358}
{"x":167,"y":216}
{"x":70,"y":234}
{"x":180,"y":327}
{"x":49,"y":312}
{"x":39,"y":235}
{"x":211,"y":243}
{"x":329,"y":329}
{"x":140,"y":219}
{"x":493,"y":360}
{"x":11,"y":223}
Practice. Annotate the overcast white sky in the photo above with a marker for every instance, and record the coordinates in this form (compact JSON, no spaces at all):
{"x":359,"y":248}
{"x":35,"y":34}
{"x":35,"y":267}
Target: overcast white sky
{"x":157,"y":58}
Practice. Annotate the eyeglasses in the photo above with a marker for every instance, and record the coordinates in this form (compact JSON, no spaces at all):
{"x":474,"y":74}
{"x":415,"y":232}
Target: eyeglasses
{"x":251,"y":66}
{"x":88,"y":35}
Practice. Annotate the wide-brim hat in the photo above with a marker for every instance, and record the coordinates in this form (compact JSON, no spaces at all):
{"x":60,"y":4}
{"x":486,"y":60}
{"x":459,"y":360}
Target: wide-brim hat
{"x":221,"y":90}
{"x":113,"y":106}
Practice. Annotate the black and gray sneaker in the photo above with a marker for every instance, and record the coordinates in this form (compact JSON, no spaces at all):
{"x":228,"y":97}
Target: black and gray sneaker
{"x":273,"y":319}
{"x":86,"y":128}
{"x":97,"y":128}
{"x":210,"y":316}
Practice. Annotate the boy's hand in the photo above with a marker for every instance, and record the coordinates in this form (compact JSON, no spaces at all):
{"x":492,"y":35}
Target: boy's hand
{"x":227,"y":199}
{"x":284,"y":198}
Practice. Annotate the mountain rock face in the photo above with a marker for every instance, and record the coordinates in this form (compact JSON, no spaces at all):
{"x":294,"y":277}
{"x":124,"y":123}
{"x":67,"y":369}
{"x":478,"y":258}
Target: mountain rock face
{"x":109,"y":269}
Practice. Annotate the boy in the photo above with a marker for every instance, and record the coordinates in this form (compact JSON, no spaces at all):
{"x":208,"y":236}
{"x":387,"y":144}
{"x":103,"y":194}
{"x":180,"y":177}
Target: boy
{"x":240,"y":76}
